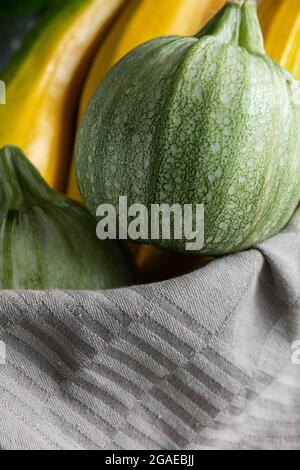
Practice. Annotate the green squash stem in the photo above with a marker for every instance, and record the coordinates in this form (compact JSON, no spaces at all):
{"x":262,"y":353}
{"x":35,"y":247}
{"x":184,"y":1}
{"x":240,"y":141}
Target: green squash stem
{"x":225,"y":25}
{"x":251,"y":37}
{"x":20,"y":183}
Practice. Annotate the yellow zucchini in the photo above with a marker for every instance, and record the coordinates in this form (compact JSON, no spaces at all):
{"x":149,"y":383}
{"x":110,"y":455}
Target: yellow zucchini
{"x":280,"y":20}
{"x":44,"y":82}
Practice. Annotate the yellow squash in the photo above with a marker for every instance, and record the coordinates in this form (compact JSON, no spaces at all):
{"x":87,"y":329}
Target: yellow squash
{"x":44,"y":82}
{"x":280,"y":20}
{"x":141,"y":21}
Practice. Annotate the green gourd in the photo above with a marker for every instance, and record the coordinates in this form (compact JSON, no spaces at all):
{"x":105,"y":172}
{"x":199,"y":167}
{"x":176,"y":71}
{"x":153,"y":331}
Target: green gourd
{"x":206,"y":120}
{"x":48,"y":241}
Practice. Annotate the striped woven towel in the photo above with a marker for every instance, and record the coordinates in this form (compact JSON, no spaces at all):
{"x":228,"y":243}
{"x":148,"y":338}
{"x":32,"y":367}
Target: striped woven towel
{"x":204,"y":361}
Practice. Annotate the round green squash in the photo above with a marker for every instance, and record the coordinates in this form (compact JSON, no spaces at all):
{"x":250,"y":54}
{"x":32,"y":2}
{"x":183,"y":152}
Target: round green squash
{"x":206,"y":120}
{"x":48,"y":241}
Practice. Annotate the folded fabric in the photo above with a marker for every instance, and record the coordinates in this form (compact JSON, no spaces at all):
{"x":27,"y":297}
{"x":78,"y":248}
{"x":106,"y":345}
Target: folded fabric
{"x":204,"y":361}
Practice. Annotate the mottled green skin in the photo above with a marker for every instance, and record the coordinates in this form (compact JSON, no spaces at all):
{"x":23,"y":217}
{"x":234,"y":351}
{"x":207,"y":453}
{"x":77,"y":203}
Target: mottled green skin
{"x":48,"y":241}
{"x":207,"y":120}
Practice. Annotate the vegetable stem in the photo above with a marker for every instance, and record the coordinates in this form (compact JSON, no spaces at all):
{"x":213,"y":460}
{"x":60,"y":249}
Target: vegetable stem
{"x":20,"y":182}
{"x":251,"y":37}
{"x":225,"y":25}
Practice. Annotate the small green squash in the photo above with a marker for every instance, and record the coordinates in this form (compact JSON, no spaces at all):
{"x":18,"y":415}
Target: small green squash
{"x":209,"y":119}
{"x":48,"y":241}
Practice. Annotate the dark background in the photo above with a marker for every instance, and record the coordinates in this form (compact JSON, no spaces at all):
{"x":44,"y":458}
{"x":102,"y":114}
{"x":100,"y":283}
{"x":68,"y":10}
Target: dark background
{"x":12,"y":31}
{"x":17,"y":17}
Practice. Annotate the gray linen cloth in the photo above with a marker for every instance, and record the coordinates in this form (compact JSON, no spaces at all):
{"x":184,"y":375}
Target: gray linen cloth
{"x":203,"y":361}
